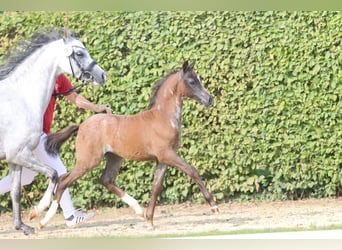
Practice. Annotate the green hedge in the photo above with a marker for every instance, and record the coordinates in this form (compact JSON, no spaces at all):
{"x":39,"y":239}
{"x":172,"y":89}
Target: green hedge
{"x":275,"y":129}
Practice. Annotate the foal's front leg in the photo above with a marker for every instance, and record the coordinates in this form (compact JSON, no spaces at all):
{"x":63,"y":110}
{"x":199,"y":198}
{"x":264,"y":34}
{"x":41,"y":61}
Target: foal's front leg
{"x":171,"y":158}
{"x":15,"y":194}
{"x":157,"y":187}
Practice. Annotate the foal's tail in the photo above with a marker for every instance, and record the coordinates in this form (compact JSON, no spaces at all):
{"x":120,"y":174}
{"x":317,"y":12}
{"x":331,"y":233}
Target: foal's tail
{"x":55,"y":140}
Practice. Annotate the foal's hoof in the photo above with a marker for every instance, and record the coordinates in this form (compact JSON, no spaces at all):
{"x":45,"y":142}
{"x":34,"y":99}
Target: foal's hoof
{"x":150,"y":228}
{"x":215,"y":209}
{"x":40,"y":226}
{"x":33,"y":212}
{"x":140,"y":216}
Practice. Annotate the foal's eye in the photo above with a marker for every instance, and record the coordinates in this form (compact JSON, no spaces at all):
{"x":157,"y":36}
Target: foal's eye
{"x":192,"y":81}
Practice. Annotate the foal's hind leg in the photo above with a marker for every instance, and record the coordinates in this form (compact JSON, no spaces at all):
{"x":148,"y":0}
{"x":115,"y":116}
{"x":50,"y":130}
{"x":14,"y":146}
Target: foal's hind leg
{"x":157,"y":187}
{"x":108,"y":177}
{"x":64,"y":181}
{"x":43,"y":203}
{"x":87,"y":158}
{"x":15,"y":193}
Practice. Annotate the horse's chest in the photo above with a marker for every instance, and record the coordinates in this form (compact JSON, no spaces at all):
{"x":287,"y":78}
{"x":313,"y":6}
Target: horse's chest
{"x":166,"y":135}
{"x":174,"y":138}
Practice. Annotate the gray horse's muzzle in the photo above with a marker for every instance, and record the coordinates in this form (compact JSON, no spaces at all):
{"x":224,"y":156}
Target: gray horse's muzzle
{"x":90,"y":73}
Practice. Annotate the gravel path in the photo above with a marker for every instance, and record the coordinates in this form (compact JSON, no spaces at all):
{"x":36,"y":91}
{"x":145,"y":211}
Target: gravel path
{"x":188,"y":218}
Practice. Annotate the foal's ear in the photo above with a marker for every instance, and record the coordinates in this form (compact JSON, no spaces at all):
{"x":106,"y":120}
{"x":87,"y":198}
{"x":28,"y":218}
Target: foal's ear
{"x":185,"y":66}
{"x":191,"y":66}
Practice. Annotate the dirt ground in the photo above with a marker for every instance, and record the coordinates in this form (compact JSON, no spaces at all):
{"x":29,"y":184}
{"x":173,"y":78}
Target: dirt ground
{"x":190,"y":218}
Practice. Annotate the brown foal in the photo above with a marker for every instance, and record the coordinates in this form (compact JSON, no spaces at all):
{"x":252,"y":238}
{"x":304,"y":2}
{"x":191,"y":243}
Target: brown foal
{"x":153,"y":134}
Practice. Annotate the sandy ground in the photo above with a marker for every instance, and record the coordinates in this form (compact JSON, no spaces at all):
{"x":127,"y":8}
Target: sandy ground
{"x":182,"y":219}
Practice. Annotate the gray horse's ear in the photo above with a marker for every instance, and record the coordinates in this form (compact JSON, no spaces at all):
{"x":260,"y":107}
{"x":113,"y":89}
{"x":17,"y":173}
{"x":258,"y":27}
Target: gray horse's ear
{"x":66,"y":37}
{"x":66,"y":34}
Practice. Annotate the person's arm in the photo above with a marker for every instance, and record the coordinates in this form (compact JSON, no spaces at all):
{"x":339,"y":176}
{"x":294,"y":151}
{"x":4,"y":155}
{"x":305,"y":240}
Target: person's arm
{"x":83,"y":103}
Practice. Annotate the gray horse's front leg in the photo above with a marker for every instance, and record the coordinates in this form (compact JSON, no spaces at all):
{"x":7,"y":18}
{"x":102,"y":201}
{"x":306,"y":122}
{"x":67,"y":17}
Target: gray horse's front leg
{"x":15,"y":194}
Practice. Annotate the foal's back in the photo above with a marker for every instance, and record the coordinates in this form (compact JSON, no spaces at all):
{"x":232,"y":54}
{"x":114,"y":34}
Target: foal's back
{"x":134,"y":137}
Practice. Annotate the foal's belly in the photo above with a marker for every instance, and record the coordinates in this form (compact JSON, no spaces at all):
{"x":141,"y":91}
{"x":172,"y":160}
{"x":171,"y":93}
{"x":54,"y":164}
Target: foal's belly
{"x":136,"y":156}
{"x":133,"y":152}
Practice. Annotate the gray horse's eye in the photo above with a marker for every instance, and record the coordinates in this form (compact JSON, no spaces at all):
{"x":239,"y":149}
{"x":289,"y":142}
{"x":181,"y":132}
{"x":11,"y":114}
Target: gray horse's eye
{"x":79,"y":53}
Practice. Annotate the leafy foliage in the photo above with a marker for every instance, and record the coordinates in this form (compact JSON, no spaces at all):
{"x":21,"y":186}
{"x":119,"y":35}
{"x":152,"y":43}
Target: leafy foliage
{"x":275,"y":129}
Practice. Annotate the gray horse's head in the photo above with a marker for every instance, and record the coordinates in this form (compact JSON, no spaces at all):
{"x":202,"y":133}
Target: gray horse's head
{"x":82,"y":66}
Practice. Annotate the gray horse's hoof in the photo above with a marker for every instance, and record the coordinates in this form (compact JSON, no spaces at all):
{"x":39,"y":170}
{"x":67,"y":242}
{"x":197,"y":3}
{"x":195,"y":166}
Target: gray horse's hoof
{"x":26,"y":229}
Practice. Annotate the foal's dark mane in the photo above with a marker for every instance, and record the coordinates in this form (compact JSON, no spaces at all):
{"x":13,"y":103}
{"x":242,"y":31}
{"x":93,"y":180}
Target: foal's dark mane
{"x":156,"y":88}
{"x":24,"y":49}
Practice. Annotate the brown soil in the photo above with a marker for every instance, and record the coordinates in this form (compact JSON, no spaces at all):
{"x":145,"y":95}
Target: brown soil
{"x":191,"y":218}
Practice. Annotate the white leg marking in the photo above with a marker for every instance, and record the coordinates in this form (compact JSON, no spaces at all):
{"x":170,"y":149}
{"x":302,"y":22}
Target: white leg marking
{"x":50,"y":213}
{"x":129,"y":200}
{"x":214,"y":207}
{"x":44,"y":202}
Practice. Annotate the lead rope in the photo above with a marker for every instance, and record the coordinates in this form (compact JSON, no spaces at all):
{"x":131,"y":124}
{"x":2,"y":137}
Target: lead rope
{"x":74,"y":89}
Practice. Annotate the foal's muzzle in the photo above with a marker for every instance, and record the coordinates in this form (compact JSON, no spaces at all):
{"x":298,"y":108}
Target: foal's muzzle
{"x":209,"y":101}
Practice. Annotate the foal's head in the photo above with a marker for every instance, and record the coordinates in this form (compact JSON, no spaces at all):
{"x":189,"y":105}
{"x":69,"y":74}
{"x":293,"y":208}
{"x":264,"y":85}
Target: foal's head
{"x":192,"y":85}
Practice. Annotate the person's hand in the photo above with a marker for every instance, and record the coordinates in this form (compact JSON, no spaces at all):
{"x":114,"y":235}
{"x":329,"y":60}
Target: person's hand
{"x":101,"y":108}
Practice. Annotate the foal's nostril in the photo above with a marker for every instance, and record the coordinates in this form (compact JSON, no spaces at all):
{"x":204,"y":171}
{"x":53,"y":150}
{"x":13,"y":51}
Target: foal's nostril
{"x":211,"y":100}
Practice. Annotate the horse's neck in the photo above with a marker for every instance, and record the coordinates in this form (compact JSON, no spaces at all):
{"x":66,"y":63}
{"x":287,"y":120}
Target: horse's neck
{"x":34,"y":79}
{"x":169,"y":102}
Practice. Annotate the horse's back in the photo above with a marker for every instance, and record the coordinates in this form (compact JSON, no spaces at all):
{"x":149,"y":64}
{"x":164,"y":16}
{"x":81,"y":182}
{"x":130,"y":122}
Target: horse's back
{"x":123,"y":135}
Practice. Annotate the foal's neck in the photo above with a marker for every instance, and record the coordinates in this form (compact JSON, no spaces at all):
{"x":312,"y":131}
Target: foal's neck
{"x":170,"y":100}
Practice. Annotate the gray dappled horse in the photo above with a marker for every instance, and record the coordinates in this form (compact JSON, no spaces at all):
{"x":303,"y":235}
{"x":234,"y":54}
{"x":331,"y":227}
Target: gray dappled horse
{"x":27,"y":80}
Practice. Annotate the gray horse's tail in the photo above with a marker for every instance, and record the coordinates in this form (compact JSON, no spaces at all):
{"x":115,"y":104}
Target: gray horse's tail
{"x":55,"y":140}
